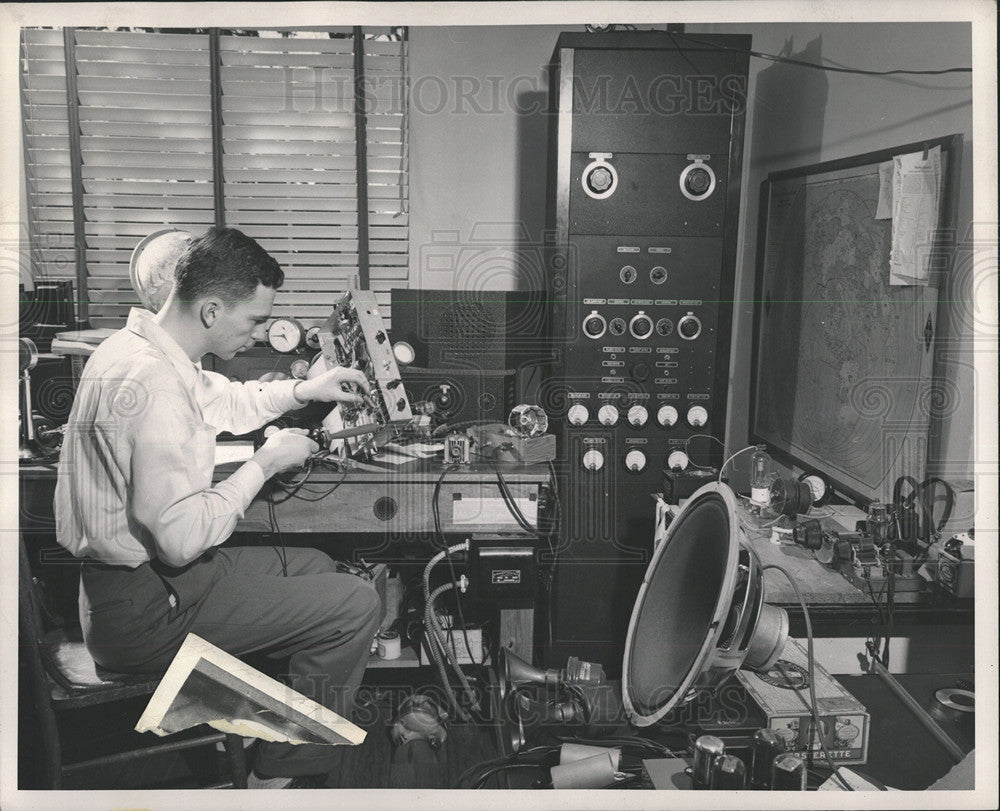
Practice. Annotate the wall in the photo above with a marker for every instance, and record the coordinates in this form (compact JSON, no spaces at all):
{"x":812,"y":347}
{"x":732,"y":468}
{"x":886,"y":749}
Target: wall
{"x":797,"y":116}
{"x":478,"y":132}
{"x":478,"y":155}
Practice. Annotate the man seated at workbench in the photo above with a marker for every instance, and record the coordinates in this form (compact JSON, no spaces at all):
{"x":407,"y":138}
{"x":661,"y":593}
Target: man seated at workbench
{"x":135,"y":498}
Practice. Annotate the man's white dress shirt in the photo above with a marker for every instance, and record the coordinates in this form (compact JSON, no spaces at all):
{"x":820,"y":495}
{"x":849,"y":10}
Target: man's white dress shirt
{"x":135,"y":472}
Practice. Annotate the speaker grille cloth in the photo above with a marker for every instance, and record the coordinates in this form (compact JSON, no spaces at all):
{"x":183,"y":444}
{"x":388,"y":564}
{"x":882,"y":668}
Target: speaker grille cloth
{"x":680,"y":601}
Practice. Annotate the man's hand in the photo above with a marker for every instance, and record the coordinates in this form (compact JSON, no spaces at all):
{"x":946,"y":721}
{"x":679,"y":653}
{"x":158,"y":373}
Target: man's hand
{"x":336,"y":385}
{"x":289,"y":447}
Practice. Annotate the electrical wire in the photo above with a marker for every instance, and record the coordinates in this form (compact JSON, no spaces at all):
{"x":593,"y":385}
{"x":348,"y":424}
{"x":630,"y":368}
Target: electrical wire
{"x":816,"y":65}
{"x":554,"y":550}
{"x":505,"y":767}
{"x":730,"y":459}
{"x":811,"y":661}
{"x":438,"y":654}
{"x":511,"y":758}
{"x":445,"y":427}
{"x":515,"y":511}
{"x":430,"y":636}
{"x":319,"y":496}
{"x":291,"y":488}
{"x":436,"y":509}
{"x":636,"y":742}
{"x":511,"y":503}
{"x":702,"y":436}
{"x":280,"y":549}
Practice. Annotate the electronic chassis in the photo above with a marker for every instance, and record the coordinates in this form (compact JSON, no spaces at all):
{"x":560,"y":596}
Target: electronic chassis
{"x":354,"y":337}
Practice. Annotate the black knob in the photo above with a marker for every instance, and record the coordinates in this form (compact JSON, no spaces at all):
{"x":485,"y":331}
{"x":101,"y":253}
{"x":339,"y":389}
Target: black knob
{"x":599,"y":179}
{"x":617,"y":326}
{"x":380,"y":337}
{"x":641,"y":327}
{"x":689,"y":327}
{"x":640,"y":372}
{"x":593,"y":326}
{"x":697,"y":181}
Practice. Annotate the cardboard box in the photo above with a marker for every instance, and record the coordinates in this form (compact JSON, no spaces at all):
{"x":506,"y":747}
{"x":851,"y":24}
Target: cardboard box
{"x":845,"y":722}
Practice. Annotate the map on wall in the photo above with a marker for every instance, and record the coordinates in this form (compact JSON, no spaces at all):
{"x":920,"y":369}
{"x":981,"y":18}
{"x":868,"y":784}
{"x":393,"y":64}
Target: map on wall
{"x":843,"y":362}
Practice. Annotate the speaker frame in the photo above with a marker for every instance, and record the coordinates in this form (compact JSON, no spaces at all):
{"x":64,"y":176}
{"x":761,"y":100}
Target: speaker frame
{"x":713,"y":664}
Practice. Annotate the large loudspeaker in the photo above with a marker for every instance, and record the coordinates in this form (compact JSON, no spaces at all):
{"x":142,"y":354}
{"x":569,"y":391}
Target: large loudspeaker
{"x":644,"y":169}
{"x":700,"y":614}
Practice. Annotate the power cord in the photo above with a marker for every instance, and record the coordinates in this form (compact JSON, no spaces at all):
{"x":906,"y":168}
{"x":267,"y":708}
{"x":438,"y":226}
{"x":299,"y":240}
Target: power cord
{"x":701,"y":436}
{"x":813,"y":707}
{"x":511,"y":503}
{"x":280,"y":548}
{"x":817,"y":66}
{"x":730,"y":459}
{"x":436,"y":509}
{"x":481,"y":771}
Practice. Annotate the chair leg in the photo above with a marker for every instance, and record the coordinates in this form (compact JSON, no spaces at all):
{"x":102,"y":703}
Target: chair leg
{"x":53,"y":746}
{"x":237,"y":760}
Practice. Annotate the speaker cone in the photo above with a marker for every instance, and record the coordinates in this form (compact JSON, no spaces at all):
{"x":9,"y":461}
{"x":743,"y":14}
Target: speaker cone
{"x":700,"y":612}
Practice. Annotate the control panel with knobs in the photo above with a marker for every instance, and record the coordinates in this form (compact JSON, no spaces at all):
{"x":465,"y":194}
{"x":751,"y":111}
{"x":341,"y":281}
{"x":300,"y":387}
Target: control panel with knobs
{"x":578,"y":414}
{"x":641,"y":266}
{"x":593,"y":460}
{"x":677,"y":460}
{"x":608,"y":414}
{"x":667,"y":416}
{"x":637,"y":416}
{"x":697,"y":416}
{"x":635,"y":461}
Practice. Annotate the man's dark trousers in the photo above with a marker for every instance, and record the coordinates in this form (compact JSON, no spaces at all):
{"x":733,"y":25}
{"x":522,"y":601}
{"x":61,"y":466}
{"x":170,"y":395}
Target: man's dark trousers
{"x":240,"y":600}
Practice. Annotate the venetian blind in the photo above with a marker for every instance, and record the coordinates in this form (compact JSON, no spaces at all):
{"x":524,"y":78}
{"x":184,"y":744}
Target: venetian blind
{"x":46,"y":155}
{"x":146,"y":145}
{"x":288,"y":155}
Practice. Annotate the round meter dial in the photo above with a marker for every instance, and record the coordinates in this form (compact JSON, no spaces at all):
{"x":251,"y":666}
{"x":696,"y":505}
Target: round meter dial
{"x":300,"y":368}
{"x":608,"y":414}
{"x":312,"y":336}
{"x":678,"y":460}
{"x":577,"y":414}
{"x":285,"y":334}
{"x":635,"y":461}
{"x":637,"y":416}
{"x":667,"y":416}
{"x":697,"y":416}
{"x":593,"y":460}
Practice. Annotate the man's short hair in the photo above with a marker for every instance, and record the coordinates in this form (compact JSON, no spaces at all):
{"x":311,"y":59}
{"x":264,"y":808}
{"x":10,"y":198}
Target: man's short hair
{"x":226,"y":263}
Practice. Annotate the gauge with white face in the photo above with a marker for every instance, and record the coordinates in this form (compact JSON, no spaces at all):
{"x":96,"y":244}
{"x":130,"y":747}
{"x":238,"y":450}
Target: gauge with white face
{"x":608,"y":414}
{"x":312,"y":336}
{"x":577,"y":414}
{"x":666,"y":416}
{"x":678,"y":460}
{"x":635,"y":461}
{"x":285,"y":334}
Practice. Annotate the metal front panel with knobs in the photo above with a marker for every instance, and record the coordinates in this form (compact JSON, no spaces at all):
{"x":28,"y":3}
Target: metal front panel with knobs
{"x":644,"y":174}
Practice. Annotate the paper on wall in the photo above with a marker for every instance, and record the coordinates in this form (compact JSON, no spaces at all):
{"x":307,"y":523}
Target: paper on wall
{"x":884,"y":209}
{"x":916,"y":207}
